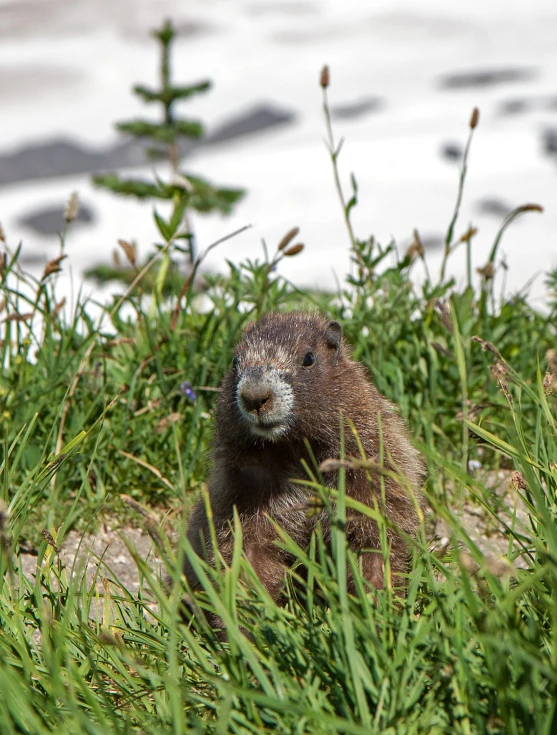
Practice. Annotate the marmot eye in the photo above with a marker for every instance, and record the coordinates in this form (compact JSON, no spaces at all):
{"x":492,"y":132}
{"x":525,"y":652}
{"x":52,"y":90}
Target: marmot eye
{"x":235,"y":362}
{"x":309,"y":360}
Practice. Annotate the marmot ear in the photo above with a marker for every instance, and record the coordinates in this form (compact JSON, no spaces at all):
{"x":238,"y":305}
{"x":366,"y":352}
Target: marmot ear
{"x":333,"y":335}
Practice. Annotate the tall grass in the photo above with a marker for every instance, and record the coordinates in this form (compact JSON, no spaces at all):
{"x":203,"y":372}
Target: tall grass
{"x":94,"y":410}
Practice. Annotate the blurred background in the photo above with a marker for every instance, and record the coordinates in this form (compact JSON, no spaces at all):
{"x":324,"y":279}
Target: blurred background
{"x":405,"y":77}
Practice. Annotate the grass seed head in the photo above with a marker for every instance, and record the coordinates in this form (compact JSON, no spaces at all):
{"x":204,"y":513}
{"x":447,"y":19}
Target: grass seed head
{"x":498,"y":371}
{"x":333,"y":465}
{"x":488,"y":271}
{"x":549,"y":383}
{"x":130,"y":251}
{"x":50,"y":540}
{"x":287,"y":239}
{"x":293,"y":250}
{"x":416,"y":249}
{"x":53,"y":266}
{"x":532,"y":208}
{"x":72,"y":208}
{"x":469,"y":234}
{"x":444,"y":314}
{"x":489,"y":347}
{"x":324,"y":79}
{"x":518,"y":481}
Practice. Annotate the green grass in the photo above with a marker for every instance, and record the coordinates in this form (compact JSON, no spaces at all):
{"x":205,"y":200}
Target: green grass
{"x":91,"y":411}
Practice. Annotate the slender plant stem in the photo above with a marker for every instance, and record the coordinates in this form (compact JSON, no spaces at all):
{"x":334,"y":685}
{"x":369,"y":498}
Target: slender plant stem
{"x":189,"y":280}
{"x":463,"y":171}
{"x":334,"y":152}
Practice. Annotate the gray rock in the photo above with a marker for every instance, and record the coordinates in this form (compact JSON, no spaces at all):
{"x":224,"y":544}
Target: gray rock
{"x":550,"y":141}
{"x":518,"y":105}
{"x":50,"y":220}
{"x":452,"y":151}
{"x":358,"y":108}
{"x":81,"y":553}
{"x":262,"y":117}
{"x":32,"y":261}
{"x":494,"y":206}
{"x":432,"y":241}
{"x":64,"y":157}
{"x":515,"y":106}
{"x":486,"y":77}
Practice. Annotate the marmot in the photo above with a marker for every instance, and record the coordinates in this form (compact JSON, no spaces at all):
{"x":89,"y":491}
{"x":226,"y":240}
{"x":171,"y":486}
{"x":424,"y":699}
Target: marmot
{"x":291,"y":380}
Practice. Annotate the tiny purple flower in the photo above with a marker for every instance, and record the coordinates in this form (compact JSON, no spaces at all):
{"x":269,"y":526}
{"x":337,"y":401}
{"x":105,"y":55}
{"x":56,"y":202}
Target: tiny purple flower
{"x":188,"y":391}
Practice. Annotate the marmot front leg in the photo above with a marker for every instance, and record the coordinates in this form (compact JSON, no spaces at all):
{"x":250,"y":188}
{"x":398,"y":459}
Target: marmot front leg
{"x":267,"y":559}
{"x":269,"y":564}
{"x":371,"y":558}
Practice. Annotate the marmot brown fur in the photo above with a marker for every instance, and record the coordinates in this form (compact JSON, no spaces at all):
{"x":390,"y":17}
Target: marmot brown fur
{"x":292,"y":378}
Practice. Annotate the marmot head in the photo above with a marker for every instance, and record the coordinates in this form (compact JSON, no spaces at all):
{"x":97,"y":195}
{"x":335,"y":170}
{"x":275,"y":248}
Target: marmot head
{"x":285,"y":375}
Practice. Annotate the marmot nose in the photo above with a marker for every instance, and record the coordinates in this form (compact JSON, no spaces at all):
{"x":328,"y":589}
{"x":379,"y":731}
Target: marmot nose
{"x":254,"y":400}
